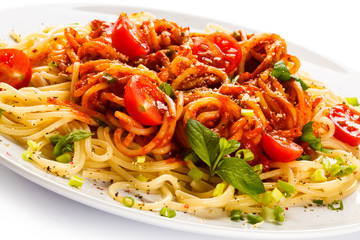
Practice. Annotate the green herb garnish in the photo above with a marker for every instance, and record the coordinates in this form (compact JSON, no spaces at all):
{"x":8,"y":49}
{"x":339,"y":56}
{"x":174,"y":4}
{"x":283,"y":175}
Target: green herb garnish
{"x":167,"y":89}
{"x":212,"y":149}
{"x":280,"y":71}
{"x":309,"y":137}
{"x":63,"y":144}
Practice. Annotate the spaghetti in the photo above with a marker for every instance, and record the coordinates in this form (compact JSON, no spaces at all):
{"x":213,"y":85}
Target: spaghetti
{"x":83,"y":82}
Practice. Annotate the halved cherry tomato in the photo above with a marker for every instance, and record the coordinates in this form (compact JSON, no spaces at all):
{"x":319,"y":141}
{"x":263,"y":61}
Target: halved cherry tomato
{"x":127,"y":38}
{"x":218,"y":49}
{"x":280,"y":149}
{"x":15,"y":68}
{"x":143,"y":101}
{"x":347,"y":124}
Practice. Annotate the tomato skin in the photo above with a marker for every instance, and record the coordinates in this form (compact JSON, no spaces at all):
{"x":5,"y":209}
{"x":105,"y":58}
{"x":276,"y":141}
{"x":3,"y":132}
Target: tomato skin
{"x":219,"y":50}
{"x":143,"y":101}
{"x":15,"y":68}
{"x":347,"y":124}
{"x":280,"y":149}
{"x":128,"y":39}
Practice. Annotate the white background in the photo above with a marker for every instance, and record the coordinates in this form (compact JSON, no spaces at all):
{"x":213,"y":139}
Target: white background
{"x":331,"y":28}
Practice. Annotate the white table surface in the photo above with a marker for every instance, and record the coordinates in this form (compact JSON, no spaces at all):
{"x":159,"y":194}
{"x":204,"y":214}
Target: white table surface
{"x":330,"y":28}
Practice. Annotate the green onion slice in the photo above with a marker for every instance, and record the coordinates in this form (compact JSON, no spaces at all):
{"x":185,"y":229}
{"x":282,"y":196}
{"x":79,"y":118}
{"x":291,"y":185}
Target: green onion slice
{"x":254,"y":219}
{"x":76,"y":181}
{"x":286,"y":188}
{"x":245,"y":154}
{"x":236,"y":215}
{"x":219,"y":189}
{"x":167,"y":212}
{"x":318,"y":201}
{"x":336,"y":202}
{"x":140,"y":159}
{"x":27,"y":155}
{"x":128,"y":201}
{"x":352,"y":101}
{"x":195,"y":174}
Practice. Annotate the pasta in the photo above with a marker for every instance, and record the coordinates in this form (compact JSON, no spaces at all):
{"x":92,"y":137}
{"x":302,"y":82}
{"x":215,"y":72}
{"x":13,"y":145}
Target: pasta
{"x":138,"y":135}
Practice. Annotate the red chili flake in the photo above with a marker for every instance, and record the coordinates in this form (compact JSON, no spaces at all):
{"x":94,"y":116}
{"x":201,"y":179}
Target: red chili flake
{"x":286,"y":208}
{"x":355,"y":172}
{"x":128,"y":191}
{"x":186,"y":205}
{"x":100,"y":188}
{"x":8,"y":154}
{"x":34,"y":50}
{"x":71,"y":162}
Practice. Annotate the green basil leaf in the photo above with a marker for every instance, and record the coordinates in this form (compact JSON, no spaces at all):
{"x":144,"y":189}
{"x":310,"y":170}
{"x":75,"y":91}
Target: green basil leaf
{"x":63,"y":142}
{"x":309,"y":137}
{"x":203,"y":141}
{"x":167,"y":89}
{"x":281,"y":71}
{"x":241,"y":176}
{"x":226,"y":147}
{"x":302,"y":83}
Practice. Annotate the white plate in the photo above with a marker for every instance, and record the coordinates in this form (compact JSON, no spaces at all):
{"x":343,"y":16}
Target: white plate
{"x":300,"y":222}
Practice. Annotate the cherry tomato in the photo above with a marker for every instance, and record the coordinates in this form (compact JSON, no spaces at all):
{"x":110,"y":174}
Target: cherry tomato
{"x":127,"y":38}
{"x":347,"y":124}
{"x":143,"y":101}
{"x":219,"y":50}
{"x":280,"y":149}
{"x":15,"y":68}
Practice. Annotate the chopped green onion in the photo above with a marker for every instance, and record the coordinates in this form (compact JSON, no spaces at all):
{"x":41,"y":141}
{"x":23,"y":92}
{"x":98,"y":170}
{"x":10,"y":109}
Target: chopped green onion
{"x":318,"y":201}
{"x":167,"y":212}
{"x":337,"y":166}
{"x":245,"y":154}
{"x":195,"y":174}
{"x":1,"y":111}
{"x":219,"y":189}
{"x":141,"y":178}
{"x":128,"y":201}
{"x":234,"y":79}
{"x":352,"y":101}
{"x":258,"y":169}
{"x":279,"y":214}
{"x":192,"y":156}
{"x":247,"y":112}
{"x":236,"y":215}
{"x":33,"y":145}
{"x":267,"y":198}
{"x":109,"y":77}
{"x":140,"y":159}
{"x":340,"y":207}
{"x":276,"y":194}
{"x":53,"y":64}
{"x":254,"y":219}
{"x":268,"y":214}
{"x":273,"y":214}
{"x":27,"y":155}
{"x":286,"y":188}
{"x":318,"y":175}
{"x":64,"y":158}
{"x":76,"y":181}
